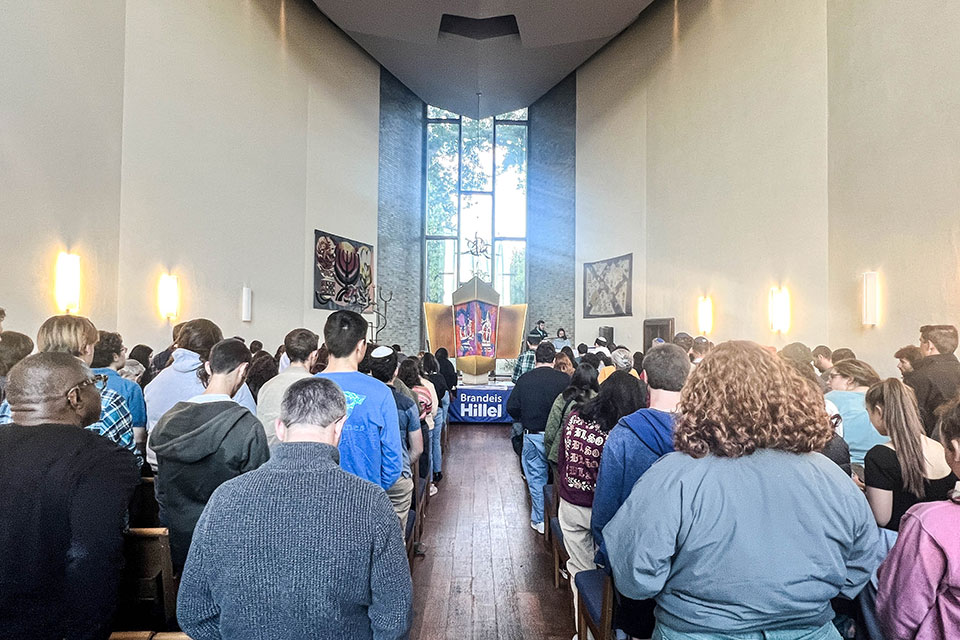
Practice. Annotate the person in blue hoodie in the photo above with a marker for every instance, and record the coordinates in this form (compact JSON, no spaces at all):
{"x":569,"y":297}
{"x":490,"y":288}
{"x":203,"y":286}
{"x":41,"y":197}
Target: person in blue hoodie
{"x":640,"y":438}
{"x":181,"y":381}
{"x":632,"y":447}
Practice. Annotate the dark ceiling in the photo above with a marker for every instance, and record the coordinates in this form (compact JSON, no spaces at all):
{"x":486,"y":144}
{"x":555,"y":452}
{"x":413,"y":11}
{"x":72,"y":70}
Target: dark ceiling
{"x":509,"y":51}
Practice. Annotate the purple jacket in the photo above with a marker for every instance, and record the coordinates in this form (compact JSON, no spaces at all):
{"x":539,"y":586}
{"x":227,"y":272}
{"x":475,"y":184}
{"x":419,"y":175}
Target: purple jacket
{"x":919,"y":583}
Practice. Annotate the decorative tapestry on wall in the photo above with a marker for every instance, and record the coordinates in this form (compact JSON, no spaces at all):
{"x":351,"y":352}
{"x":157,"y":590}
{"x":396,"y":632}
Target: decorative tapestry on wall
{"x":607,"y":287}
{"x":342,"y":273}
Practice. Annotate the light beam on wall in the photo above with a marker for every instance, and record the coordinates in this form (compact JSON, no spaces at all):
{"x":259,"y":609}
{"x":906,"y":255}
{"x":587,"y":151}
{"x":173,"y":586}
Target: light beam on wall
{"x":705,"y":315}
{"x":870,"y":313}
{"x":168,"y":296}
{"x":779,"y":309}
{"x":67,"y":287}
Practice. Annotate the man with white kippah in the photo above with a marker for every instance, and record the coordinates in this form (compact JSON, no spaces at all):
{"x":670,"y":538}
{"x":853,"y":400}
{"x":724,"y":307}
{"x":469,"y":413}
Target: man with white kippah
{"x":600,"y":346}
{"x":384,"y":363}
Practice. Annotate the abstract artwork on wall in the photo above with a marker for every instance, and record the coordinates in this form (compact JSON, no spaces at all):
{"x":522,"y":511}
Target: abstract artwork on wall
{"x":607,"y":287}
{"x":342,"y":273}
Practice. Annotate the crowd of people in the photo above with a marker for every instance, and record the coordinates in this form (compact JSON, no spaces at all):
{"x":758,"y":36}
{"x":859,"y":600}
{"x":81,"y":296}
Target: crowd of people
{"x":731,"y":490}
{"x":736,"y":489}
{"x":285,"y":481}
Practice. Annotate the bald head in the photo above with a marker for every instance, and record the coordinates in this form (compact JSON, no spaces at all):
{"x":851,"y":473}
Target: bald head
{"x":51,"y":388}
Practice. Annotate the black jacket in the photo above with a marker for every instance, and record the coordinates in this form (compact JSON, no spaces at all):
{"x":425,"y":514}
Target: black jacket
{"x":63,"y":500}
{"x":200,"y":446}
{"x":936,"y":381}
{"x":449,"y":372}
{"x":531,"y":400}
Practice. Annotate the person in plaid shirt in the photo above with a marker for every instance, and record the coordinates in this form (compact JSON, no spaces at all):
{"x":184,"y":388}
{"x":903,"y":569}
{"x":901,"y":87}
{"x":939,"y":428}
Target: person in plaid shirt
{"x":526,"y":361}
{"x":77,"y":336}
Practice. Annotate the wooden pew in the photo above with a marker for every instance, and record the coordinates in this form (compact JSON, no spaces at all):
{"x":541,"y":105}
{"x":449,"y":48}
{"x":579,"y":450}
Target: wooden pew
{"x":148,"y":587}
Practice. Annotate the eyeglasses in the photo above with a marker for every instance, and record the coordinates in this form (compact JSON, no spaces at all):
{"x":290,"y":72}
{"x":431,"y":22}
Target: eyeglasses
{"x":98,"y":380}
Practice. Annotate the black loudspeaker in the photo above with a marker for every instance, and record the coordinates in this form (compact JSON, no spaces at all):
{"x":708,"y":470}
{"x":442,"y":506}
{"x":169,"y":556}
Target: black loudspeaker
{"x":607,"y":332}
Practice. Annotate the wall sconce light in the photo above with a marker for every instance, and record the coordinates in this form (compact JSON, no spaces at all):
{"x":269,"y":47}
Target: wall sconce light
{"x":168,"y":296}
{"x":67,"y":287}
{"x":779,"y":309}
{"x":246,"y":305}
{"x":871,"y":298}
{"x":705,"y":315}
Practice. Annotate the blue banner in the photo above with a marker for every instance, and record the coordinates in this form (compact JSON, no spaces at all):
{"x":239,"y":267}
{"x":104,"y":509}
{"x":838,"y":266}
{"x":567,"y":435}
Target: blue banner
{"x":481,"y":404}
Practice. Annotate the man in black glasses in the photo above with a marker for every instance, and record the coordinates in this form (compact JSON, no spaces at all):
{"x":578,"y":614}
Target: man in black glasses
{"x":64,"y":492}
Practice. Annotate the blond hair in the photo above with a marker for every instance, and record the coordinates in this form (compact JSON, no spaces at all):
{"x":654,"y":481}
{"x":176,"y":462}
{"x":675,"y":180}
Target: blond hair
{"x":66,"y":334}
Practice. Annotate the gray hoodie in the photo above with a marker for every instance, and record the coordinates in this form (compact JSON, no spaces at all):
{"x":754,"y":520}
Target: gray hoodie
{"x":199,"y":447}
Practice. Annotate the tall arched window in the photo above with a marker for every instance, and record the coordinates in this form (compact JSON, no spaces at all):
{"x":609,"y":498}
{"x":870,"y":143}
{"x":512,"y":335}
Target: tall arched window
{"x":476,"y":204}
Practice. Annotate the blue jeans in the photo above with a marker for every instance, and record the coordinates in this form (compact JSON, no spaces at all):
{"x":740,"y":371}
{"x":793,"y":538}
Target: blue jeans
{"x":438,"y":426}
{"x":826,"y":632}
{"x":534,"y":461}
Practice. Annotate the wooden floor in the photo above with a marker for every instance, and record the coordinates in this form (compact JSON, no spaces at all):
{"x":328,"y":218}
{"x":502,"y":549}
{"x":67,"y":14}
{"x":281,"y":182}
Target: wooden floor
{"x":486,"y":574}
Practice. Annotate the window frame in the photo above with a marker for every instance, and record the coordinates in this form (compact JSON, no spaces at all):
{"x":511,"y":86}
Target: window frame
{"x":494,"y":239}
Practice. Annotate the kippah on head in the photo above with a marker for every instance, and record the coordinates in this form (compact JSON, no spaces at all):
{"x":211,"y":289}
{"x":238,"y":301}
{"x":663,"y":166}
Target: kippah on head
{"x":44,"y":376}
{"x":601,"y":340}
{"x":382,"y":352}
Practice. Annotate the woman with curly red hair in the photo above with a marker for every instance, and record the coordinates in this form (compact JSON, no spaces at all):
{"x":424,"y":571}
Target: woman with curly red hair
{"x":745,"y":528}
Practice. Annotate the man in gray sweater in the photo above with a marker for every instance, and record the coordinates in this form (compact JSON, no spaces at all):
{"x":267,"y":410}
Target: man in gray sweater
{"x":298,"y":548}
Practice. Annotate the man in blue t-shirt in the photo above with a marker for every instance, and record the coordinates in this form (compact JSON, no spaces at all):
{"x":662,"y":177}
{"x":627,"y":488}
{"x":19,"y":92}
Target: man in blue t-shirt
{"x":370,"y":445}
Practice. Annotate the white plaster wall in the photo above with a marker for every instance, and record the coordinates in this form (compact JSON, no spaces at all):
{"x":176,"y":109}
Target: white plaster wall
{"x":61,"y":107}
{"x":246,"y":127}
{"x":894,"y":170}
{"x":724,"y":129}
{"x":206,"y":138}
{"x":610,"y":179}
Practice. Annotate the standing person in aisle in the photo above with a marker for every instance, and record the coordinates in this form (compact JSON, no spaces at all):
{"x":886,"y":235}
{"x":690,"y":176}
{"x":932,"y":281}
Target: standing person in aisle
{"x":527,"y":360}
{"x":432,"y":369}
{"x":530,"y":404}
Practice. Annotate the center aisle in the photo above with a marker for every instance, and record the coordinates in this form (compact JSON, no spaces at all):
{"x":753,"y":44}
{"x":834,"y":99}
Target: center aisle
{"x":486,"y":573}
